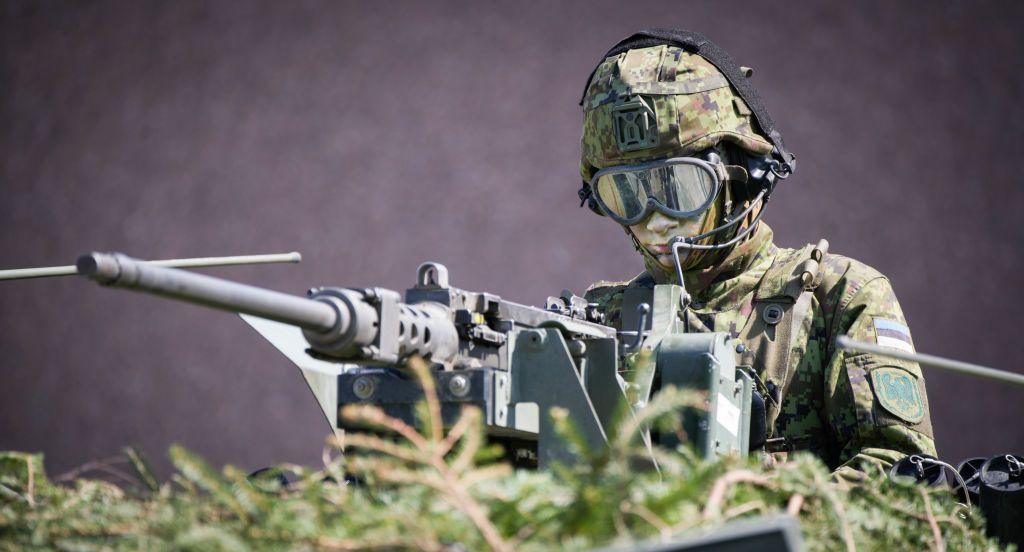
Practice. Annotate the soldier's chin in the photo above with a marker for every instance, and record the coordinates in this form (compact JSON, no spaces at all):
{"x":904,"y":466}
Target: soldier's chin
{"x":668,"y":261}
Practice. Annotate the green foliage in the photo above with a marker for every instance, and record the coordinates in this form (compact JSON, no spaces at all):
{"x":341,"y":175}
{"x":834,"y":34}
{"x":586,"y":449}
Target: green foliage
{"x":432,"y":489}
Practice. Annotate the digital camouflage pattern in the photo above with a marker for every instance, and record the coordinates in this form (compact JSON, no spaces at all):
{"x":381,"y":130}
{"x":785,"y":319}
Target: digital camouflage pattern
{"x":830,"y":402}
{"x":682,"y":87}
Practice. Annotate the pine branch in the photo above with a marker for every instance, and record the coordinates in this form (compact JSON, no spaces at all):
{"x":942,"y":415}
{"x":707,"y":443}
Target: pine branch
{"x":418,"y":488}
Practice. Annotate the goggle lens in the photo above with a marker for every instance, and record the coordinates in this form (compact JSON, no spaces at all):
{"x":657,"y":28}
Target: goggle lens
{"x":677,"y":187}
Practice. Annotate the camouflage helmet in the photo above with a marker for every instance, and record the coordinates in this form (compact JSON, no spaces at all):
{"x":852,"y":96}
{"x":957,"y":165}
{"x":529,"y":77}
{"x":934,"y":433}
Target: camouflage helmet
{"x":668,"y":93}
{"x":659,"y":102}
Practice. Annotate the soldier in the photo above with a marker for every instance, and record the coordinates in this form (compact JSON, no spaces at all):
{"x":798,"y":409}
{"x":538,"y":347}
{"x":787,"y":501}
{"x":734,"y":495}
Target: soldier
{"x":677,"y":147}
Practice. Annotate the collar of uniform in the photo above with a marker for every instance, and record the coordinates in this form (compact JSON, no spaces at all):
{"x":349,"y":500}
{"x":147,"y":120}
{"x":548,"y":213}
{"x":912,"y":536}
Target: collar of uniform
{"x":722,"y":286}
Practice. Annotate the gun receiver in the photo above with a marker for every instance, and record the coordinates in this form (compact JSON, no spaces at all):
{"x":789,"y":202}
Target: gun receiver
{"x":513,"y":361}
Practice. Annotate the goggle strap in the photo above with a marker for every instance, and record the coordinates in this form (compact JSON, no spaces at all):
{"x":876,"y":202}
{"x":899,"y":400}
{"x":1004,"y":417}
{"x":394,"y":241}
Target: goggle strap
{"x":584,"y":193}
{"x":736,"y":173}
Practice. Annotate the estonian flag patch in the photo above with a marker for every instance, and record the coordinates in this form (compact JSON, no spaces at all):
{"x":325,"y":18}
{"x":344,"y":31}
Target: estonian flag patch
{"x":892,"y":334}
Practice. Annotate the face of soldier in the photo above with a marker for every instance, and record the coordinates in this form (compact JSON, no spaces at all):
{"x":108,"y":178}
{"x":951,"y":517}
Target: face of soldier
{"x":656,"y":231}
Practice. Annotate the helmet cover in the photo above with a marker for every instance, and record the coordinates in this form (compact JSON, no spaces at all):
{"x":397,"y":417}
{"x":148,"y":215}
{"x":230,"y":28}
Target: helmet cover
{"x":661,"y":101}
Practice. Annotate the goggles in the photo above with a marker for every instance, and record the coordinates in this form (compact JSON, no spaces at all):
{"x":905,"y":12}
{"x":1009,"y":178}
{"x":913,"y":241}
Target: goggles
{"x":680,"y":187}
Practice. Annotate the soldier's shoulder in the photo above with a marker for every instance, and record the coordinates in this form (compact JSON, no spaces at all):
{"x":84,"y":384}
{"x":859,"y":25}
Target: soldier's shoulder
{"x":842,"y":271}
{"x":848,"y":282}
{"x":836,"y":278}
{"x":834,"y":267}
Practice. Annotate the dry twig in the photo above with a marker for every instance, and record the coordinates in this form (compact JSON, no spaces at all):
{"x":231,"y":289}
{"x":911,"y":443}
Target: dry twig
{"x":713,"y":507}
{"x":650,"y":517}
{"x":30,"y":488}
{"x":741,"y":509}
{"x":796,"y":502}
{"x":837,"y":507}
{"x":940,"y":546}
{"x":103,"y":465}
{"x":430,"y":451}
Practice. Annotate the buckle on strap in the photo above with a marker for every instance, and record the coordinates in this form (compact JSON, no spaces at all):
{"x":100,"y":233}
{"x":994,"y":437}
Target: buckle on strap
{"x":736,"y":173}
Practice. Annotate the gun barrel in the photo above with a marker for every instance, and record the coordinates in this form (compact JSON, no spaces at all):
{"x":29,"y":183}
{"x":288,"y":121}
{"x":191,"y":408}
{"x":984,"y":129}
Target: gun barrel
{"x":848,"y":344}
{"x":121,"y":271}
{"x":198,"y":262}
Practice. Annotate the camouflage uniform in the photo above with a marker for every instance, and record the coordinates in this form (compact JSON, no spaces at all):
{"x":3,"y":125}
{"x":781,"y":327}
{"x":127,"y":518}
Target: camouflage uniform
{"x":844,"y":407}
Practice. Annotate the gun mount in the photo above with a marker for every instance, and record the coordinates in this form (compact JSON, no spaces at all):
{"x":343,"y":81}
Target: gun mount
{"x":513,"y":361}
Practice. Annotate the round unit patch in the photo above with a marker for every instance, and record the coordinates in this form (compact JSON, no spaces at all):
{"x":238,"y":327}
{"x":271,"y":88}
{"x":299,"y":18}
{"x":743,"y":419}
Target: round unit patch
{"x":897,"y":391}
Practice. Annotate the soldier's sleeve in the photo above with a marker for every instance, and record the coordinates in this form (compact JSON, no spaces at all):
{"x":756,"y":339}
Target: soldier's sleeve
{"x":608,"y":298}
{"x":877,"y":407}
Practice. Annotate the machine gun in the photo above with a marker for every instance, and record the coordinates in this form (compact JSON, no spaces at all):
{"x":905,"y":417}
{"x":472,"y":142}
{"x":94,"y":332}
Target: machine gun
{"x":514,"y":362}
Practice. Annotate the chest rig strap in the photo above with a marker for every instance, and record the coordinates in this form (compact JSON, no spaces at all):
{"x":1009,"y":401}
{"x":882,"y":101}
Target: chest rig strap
{"x":782,"y":305}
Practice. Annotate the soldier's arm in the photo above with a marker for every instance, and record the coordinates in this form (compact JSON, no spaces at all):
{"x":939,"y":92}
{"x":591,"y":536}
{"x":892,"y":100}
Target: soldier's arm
{"x":877,"y":407}
{"x":608,"y":298}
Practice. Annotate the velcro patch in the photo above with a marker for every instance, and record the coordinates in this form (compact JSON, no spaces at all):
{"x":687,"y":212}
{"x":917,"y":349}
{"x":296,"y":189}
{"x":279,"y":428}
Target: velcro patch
{"x":897,"y":391}
{"x":892,"y":334}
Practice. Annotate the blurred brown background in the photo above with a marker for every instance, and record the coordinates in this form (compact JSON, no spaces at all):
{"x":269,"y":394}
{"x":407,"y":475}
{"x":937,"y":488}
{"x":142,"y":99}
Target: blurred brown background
{"x":374,"y":136}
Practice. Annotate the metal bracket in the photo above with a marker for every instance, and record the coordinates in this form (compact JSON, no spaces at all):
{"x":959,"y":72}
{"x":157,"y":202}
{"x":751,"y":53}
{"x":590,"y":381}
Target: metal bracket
{"x":431,"y":275}
{"x":387,"y":338}
{"x":636,"y":125}
{"x":543,"y":373}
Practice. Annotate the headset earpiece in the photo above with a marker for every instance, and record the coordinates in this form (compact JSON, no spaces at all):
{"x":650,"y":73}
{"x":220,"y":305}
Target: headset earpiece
{"x":586,"y":196}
